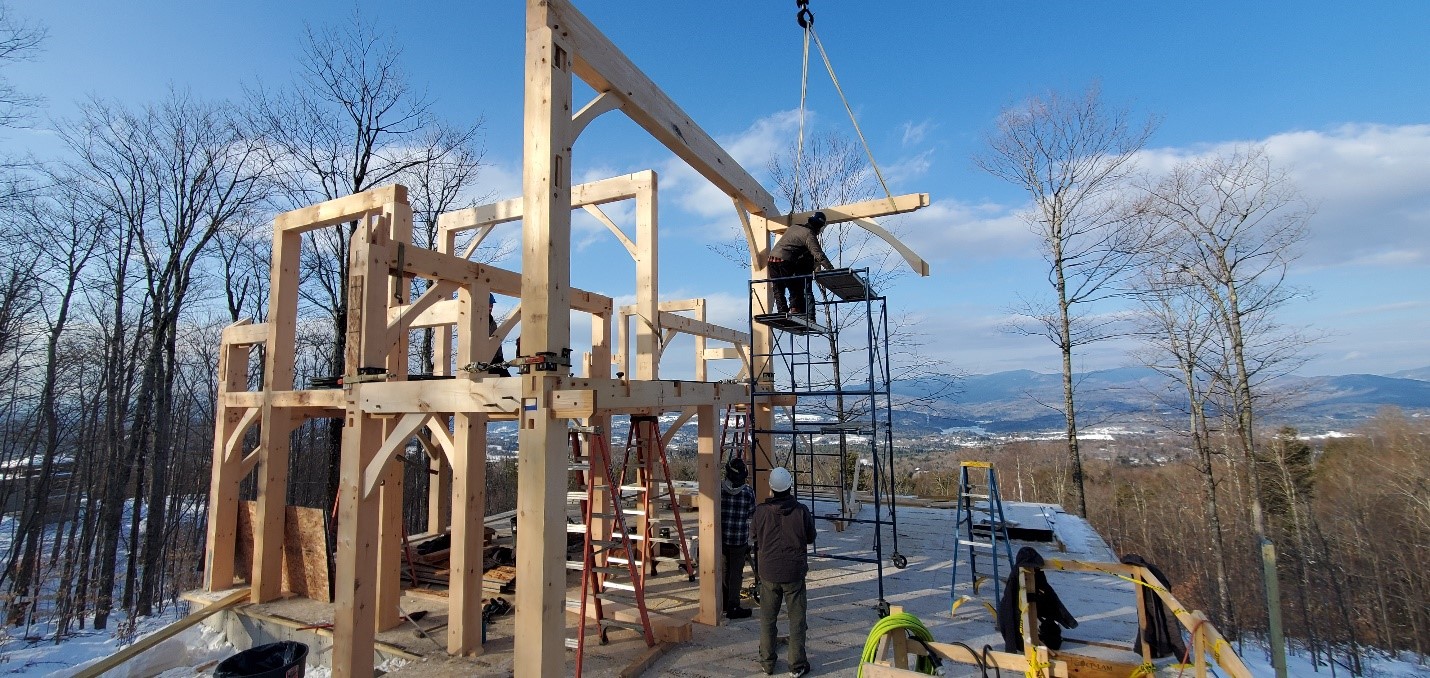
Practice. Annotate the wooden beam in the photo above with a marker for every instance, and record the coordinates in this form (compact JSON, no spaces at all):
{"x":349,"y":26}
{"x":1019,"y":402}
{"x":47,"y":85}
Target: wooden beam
{"x":113,"y":661}
{"x":339,"y":210}
{"x":598,"y":62}
{"x":595,"y":211}
{"x":489,"y":396}
{"x":244,"y":333}
{"x":699,"y":328}
{"x":878,"y":207}
{"x":225,"y":473}
{"x":597,"y":192}
{"x":275,"y":424}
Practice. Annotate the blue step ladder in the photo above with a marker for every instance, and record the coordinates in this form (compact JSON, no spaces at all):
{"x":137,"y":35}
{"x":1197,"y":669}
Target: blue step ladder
{"x":981,"y":530}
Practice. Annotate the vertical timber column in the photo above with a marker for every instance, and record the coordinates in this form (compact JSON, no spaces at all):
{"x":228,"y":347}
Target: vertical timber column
{"x":267,"y":579}
{"x":647,"y":283}
{"x":439,"y":481}
{"x":469,"y":482}
{"x":397,"y":222}
{"x":708,"y":507}
{"x":546,"y":318}
{"x":355,"y":615}
{"x":761,"y":368}
{"x":227,"y":463}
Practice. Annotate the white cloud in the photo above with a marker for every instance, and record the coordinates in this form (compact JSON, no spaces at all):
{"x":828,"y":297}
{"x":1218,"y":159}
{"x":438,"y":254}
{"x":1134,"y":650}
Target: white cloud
{"x":949,"y":231}
{"x":1370,"y":185}
{"x":914,"y":133}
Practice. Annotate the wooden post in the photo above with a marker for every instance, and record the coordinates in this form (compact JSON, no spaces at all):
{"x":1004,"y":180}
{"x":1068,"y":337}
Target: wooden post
{"x":648,"y":331}
{"x":761,"y":341}
{"x":226,"y":470}
{"x":469,"y":468}
{"x":1137,"y":590}
{"x":545,"y":300}
{"x":267,"y":580}
{"x":397,"y":222}
{"x":708,"y":505}
{"x":439,"y":488}
{"x":356,"y":610}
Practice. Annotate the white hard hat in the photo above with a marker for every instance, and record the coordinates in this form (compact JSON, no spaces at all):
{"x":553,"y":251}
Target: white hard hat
{"x":780,"y":480}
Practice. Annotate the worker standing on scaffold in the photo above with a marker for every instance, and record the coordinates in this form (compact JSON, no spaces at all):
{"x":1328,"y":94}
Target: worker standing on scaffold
{"x":793,"y":261}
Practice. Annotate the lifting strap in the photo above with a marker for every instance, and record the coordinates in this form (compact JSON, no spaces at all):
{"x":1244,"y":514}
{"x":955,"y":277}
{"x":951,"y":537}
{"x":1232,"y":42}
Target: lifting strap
{"x":806,"y":21}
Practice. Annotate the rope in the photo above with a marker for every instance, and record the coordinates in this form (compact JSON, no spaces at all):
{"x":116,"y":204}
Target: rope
{"x":830,"y":67}
{"x":806,"y":22}
{"x":803,"y":97}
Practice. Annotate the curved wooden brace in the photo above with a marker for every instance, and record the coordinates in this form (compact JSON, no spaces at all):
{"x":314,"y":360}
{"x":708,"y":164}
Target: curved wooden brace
{"x":605,"y":102}
{"x":507,"y":325}
{"x":406,"y":426}
{"x":915,"y":262}
{"x":685,"y":416}
{"x":442,"y":437}
{"x":477,"y":239}
{"x":595,"y":211}
{"x":230,"y":446}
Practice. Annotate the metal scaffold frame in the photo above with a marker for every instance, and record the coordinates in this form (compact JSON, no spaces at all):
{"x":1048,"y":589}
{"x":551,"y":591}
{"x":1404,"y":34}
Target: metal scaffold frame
{"x":832,"y":388}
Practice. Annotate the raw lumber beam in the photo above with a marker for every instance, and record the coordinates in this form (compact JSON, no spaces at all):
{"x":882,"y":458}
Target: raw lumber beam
{"x":645,"y":660}
{"x":114,"y":660}
{"x":602,"y":65}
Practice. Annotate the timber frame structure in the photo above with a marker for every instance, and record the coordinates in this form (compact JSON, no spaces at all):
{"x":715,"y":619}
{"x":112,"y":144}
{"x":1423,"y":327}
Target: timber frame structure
{"x":382,"y":410}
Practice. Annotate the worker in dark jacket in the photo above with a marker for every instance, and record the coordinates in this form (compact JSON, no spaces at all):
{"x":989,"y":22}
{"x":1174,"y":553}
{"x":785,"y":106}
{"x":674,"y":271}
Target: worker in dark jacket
{"x":793,"y":259}
{"x":783,"y":531}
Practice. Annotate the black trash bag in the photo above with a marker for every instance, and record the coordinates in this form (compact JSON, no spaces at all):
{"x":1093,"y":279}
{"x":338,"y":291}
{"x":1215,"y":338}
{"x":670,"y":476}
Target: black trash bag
{"x":286,"y":659}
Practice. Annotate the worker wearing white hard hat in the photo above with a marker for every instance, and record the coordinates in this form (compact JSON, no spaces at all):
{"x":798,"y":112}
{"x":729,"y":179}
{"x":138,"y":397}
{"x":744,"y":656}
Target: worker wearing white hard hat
{"x":783,"y":530}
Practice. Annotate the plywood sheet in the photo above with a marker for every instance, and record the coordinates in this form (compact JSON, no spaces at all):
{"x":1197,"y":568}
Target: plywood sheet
{"x":305,"y":553}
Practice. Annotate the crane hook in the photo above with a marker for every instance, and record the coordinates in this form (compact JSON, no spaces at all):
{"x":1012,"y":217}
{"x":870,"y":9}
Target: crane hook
{"x":804,"y":16}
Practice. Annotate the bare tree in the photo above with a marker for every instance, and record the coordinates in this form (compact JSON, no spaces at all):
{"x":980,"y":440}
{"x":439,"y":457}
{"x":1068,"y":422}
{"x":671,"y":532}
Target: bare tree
{"x":1230,"y":226}
{"x":172,"y":176}
{"x":1072,"y":156}
{"x":19,"y":40}
{"x":1183,"y":344}
{"x":351,"y":122}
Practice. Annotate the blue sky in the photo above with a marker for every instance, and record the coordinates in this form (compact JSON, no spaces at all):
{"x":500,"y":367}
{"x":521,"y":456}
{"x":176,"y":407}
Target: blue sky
{"x":1337,"y":91}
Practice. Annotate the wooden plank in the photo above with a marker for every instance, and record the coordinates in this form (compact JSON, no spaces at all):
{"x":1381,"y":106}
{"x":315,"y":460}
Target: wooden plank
{"x":573,"y":404}
{"x":276,"y":424}
{"x":1003,"y":660}
{"x":598,"y":62}
{"x":492,"y":397}
{"x":339,"y":210}
{"x":642,"y":663}
{"x":113,"y":661}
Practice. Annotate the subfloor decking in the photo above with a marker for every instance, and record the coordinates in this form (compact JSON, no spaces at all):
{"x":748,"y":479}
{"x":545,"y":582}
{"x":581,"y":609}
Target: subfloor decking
{"x":842,"y":608}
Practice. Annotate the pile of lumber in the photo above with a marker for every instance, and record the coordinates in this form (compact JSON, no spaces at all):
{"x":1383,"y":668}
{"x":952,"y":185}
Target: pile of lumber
{"x":430,"y":565}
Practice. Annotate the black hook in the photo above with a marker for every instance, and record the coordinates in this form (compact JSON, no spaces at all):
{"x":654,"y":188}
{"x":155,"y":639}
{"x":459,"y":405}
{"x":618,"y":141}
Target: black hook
{"x":804,"y":16}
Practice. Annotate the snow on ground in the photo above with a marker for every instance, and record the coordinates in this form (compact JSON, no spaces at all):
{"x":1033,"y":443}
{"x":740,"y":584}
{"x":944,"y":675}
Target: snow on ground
{"x":179,"y":656}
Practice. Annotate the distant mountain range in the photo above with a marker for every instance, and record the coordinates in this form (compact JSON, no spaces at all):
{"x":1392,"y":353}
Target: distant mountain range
{"x":1125,"y":400}
{"x":1023,"y":401}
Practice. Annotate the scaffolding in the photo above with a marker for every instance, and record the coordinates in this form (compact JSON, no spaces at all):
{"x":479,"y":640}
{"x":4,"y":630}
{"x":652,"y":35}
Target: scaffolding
{"x":830,"y":372}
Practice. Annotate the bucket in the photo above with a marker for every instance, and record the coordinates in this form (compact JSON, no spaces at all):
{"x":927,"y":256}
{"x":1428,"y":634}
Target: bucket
{"x":274,"y":660}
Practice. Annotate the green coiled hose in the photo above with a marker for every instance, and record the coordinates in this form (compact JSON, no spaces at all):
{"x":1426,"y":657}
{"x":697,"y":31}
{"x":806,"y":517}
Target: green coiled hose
{"x":902,"y":621}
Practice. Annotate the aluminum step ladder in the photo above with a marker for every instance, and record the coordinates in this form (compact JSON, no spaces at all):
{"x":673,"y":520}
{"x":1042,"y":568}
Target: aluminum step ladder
{"x":645,"y":480}
{"x":981,"y":528}
{"x":608,"y":566}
